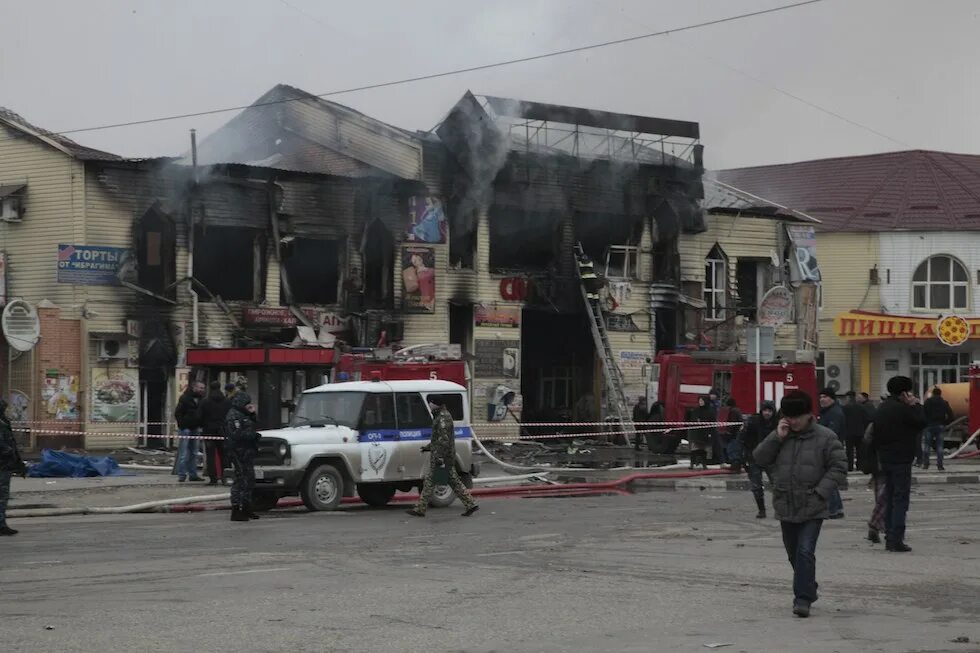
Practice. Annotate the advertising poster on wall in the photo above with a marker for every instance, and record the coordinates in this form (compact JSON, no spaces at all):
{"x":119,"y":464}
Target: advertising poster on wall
{"x":419,"y":279}
{"x":504,"y":317}
{"x":60,"y":394}
{"x":426,"y":221}
{"x":115,"y":394}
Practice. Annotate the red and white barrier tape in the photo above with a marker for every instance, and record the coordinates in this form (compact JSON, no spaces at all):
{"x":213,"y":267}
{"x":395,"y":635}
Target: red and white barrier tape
{"x":686,"y":425}
{"x":103,"y":434}
{"x":67,"y":422}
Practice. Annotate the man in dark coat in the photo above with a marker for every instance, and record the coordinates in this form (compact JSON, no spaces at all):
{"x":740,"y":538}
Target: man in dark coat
{"x":10,"y":464}
{"x":756,"y":429}
{"x":243,"y":446}
{"x":640,"y":415}
{"x":733,"y":446}
{"x":186,"y":415}
{"x":807,"y":465}
{"x":899,"y":419}
{"x":856,"y":420}
{"x":443,"y":450}
{"x":211,"y":414}
{"x":938,"y":416}
{"x":832,"y":417}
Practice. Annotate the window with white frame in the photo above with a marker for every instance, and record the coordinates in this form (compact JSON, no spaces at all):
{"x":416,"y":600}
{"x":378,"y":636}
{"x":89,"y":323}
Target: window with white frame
{"x":621,"y":262}
{"x":715,"y":284}
{"x":940,"y":283}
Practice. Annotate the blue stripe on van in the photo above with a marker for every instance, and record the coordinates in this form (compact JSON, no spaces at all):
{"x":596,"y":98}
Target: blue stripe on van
{"x":408,"y":435}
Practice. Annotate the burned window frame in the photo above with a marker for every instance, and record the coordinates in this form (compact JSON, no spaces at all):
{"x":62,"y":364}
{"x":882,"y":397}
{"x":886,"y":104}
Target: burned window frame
{"x":298,"y":289}
{"x":536,"y":262}
{"x":154,"y":216}
{"x":259,"y":261}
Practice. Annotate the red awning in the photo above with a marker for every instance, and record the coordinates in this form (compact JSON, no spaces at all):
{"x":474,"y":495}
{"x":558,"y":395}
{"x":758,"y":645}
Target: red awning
{"x":259,"y":356}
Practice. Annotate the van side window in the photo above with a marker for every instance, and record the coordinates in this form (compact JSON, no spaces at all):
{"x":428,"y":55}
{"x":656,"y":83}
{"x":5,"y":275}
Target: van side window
{"x":379,"y":412}
{"x":454,"y":402}
{"x":412,"y":411}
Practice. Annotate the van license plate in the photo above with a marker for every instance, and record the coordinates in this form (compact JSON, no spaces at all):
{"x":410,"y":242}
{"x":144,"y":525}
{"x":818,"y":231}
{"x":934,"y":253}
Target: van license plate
{"x":259,"y":474}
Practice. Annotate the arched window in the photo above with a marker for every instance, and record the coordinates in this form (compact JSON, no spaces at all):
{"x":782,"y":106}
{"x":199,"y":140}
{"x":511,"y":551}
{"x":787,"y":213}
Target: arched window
{"x":940,"y":283}
{"x":715,"y":284}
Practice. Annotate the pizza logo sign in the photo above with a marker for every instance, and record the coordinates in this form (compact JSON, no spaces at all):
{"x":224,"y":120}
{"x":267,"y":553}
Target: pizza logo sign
{"x":952,"y":330}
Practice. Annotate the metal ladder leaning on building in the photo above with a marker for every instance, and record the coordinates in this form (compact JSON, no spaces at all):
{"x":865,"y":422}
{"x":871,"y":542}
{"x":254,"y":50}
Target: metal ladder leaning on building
{"x":615,"y":395}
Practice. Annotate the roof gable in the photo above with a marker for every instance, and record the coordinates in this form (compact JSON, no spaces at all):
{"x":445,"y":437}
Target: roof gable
{"x":58,"y":142}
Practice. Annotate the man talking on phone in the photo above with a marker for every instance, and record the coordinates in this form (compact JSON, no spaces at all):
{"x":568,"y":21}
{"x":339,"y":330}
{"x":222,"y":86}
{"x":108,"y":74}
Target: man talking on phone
{"x":899,"y":420}
{"x":807,"y":463}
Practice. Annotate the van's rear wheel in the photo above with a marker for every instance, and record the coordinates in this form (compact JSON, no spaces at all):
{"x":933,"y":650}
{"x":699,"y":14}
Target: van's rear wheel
{"x":376,"y":495}
{"x":323,"y":488}
{"x":264,"y":501}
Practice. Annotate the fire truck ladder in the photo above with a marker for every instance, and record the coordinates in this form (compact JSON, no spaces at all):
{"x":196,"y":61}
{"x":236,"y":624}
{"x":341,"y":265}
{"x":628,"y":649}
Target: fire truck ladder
{"x":616,"y":397}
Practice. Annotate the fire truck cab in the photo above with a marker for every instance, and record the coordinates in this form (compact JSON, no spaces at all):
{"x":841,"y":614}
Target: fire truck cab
{"x":679,"y":379}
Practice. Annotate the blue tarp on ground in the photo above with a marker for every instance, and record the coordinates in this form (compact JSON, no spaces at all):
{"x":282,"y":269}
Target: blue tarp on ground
{"x":60,"y":464}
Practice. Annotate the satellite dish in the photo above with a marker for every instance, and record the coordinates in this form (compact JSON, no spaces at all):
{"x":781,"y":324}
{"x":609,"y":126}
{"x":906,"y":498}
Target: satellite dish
{"x":21,"y":325}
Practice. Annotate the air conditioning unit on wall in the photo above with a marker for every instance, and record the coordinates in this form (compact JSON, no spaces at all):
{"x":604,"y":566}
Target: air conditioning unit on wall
{"x":837,"y":375}
{"x":113,"y":349}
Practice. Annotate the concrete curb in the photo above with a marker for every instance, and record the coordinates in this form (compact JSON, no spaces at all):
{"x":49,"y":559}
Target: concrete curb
{"x":742,"y":484}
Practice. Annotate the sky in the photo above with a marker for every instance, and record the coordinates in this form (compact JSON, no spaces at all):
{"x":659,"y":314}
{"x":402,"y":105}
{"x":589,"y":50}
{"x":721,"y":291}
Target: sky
{"x":906,"y":69}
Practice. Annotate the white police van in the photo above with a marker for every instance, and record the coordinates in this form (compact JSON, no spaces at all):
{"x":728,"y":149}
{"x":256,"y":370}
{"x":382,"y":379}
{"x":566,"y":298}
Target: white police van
{"x":362,"y":437}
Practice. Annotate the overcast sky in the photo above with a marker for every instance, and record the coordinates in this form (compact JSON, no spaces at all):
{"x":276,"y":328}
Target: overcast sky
{"x":905,"y":68}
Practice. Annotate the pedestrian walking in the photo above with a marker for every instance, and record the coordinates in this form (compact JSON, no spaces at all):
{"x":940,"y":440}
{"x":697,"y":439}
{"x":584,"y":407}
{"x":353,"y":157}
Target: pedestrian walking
{"x":719,"y":455}
{"x":832,"y":417}
{"x":856,"y":420}
{"x":699,"y":438}
{"x":807,"y":465}
{"x":442,"y":462}
{"x":733,"y":446}
{"x":641,"y":415}
{"x":211,"y":414}
{"x":899,"y":419}
{"x":243,"y":446}
{"x":11,"y":464}
{"x":756,"y":429}
{"x":870,"y":466}
{"x":186,"y":415}
{"x":938,"y":416}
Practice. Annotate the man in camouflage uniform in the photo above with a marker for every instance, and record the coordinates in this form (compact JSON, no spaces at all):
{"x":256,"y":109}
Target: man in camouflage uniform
{"x":443,"y":448}
{"x":243,"y":445}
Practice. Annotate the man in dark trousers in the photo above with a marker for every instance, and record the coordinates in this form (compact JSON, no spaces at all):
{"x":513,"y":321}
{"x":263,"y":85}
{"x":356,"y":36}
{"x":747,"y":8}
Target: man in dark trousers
{"x":211,"y":414}
{"x":832,"y":417}
{"x":443,"y":449}
{"x":243,"y":446}
{"x":856,"y":420}
{"x":898,"y":420}
{"x":11,"y":464}
{"x":640,"y":415}
{"x":938,"y":416}
{"x":807,"y":465}
{"x":756,"y":429}
{"x":188,"y":426}
{"x":733,"y":446}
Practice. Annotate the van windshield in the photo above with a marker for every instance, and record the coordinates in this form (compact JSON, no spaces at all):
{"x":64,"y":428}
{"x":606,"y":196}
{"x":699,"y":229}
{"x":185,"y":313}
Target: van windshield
{"x":328,"y":408}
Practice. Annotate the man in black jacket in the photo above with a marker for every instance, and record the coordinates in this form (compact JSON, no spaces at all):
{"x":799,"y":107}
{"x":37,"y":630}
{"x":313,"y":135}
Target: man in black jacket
{"x":10,"y":464}
{"x":211,"y":415}
{"x":856,"y":420}
{"x":898,"y":420}
{"x":832,"y":417}
{"x":756,"y":429}
{"x":188,"y":426}
{"x":938,"y":416}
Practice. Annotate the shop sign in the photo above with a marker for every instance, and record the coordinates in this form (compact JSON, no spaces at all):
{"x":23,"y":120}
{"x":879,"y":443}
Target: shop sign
{"x":333,"y":323}
{"x":513,"y":289}
{"x":273,"y":317}
{"x":776,"y":307}
{"x":426,"y":220}
{"x":115,"y":394}
{"x":803,"y":266}
{"x":497,"y":359}
{"x":634,"y":360}
{"x":616,"y":322}
{"x":89,"y":266}
{"x":862,"y":326}
{"x":505,"y":317}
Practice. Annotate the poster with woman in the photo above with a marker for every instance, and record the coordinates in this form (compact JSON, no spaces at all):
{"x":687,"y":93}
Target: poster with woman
{"x":419,"y":279}
{"x":427,"y":220}
{"x":115,"y":395}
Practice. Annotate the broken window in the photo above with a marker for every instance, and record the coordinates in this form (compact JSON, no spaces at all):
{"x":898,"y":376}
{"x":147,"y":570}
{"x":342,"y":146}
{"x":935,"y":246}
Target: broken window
{"x":313,"y":269}
{"x":156,"y":252}
{"x":230,"y":262}
{"x":378,"y":254}
{"x":611,"y":239}
{"x":715,"y":283}
{"x":622,"y":262}
{"x":521,"y":240}
{"x":752,"y":278}
{"x":462,"y":236}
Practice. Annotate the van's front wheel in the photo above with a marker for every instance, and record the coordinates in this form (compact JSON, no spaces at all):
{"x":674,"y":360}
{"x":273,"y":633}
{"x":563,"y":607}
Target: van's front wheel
{"x":323,"y":488}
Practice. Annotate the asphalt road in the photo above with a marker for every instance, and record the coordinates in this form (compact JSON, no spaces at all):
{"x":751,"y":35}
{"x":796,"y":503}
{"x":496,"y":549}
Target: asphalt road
{"x":666,"y":571}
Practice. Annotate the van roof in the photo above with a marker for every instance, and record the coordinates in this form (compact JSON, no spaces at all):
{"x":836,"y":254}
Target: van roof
{"x":417,"y":385}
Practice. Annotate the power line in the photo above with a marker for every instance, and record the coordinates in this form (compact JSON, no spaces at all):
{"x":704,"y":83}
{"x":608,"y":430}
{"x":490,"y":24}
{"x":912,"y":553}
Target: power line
{"x":458,"y":71}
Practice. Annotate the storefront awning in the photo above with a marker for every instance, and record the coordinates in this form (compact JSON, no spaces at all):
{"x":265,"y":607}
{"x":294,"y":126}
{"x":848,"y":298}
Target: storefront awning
{"x":260,"y":356}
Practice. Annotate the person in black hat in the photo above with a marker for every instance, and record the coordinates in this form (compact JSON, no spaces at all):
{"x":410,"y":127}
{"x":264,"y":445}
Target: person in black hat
{"x":807,"y":464}
{"x":897,"y":423}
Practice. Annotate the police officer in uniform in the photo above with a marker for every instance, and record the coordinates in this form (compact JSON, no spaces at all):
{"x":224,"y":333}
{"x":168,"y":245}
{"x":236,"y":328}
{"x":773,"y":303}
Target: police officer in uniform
{"x":243,"y":446}
{"x":443,"y":448}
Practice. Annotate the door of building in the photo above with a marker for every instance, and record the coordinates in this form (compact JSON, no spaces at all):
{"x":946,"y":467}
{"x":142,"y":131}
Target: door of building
{"x":932,"y":369}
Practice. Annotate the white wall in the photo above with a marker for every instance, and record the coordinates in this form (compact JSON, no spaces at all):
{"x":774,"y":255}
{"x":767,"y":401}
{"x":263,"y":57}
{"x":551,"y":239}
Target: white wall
{"x":900,"y":253}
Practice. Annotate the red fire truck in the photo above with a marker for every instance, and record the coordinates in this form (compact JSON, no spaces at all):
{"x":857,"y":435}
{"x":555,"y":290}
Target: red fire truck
{"x":441,"y":362}
{"x":679,"y":379}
